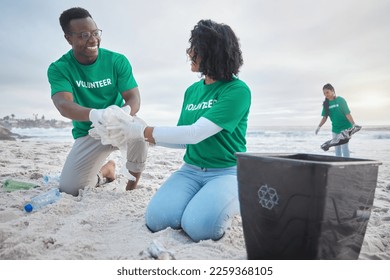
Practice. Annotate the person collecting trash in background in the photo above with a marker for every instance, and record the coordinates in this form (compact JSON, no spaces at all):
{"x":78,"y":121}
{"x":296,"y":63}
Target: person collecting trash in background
{"x":336,"y":108}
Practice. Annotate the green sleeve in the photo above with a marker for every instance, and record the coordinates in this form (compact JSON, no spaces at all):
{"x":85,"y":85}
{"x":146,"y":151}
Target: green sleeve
{"x":125,"y":75}
{"x":233,"y":104}
{"x":58,"y":82}
{"x":344,"y":106}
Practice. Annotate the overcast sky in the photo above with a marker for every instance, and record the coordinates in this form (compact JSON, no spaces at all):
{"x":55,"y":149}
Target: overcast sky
{"x":290,"y":49}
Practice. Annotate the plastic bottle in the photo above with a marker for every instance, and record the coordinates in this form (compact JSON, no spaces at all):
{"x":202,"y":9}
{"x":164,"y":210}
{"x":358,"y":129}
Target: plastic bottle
{"x":51,"y":179}
{"x":13,"y":185}
{"x":42,"y":200}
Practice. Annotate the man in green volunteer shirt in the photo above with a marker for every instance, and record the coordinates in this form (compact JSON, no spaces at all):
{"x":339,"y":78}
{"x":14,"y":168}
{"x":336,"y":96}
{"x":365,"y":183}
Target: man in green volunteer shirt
{"x":84,"y":81}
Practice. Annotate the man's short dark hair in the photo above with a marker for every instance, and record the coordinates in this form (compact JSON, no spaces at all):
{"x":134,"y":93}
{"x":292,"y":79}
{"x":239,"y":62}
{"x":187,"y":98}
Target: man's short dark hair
{"x":72,"y":13}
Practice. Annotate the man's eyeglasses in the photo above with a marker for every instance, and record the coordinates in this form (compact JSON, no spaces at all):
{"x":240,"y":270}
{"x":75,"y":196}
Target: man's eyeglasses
{"x":86,"y":35}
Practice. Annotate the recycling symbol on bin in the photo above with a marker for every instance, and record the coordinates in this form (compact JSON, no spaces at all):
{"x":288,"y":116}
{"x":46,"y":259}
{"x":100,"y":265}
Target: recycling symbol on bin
{"x":268,"y":197}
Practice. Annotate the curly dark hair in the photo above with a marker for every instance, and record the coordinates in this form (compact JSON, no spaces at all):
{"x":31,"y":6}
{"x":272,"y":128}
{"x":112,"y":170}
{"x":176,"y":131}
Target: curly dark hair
{"x":72,"y":13}
{"x":218,"y":49}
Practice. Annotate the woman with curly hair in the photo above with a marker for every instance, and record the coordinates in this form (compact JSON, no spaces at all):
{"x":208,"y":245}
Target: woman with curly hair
{"x":202,"y":196}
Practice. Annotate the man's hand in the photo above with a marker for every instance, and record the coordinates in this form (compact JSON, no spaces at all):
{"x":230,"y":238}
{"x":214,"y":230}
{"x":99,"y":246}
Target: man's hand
{"x":96,"y":116}
{"x":115,"y":126}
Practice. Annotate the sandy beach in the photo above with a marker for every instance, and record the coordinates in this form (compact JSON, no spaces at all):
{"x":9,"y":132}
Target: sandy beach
{"x":107,"y":223}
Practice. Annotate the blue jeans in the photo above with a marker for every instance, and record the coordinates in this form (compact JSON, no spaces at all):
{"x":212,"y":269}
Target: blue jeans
{"x":198,"y":200}
{"x":341,"y":150}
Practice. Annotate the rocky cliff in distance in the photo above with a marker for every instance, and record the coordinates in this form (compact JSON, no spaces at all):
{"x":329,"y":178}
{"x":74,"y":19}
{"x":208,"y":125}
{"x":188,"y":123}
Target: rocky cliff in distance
{"x":6,"y":134}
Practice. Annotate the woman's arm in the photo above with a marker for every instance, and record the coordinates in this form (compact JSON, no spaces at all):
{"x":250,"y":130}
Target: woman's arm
{"x":323,"y":120}
{"x":349,"y":117}
{"x":185,"y":134}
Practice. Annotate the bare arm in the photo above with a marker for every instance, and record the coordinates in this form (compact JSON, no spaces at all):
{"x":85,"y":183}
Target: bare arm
{"x":68,"y":108}
{"x":133,"y":99}
{"x":349,"y":117}
{"x":323,"y":120}
{"x":148,"y":133}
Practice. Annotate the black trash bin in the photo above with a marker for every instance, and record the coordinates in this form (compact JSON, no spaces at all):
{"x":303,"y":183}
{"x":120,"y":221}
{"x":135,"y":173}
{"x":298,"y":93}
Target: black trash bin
{"x":303,"y":206}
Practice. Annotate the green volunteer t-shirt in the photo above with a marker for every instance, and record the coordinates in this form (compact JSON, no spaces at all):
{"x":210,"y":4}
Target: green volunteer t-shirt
{"x":98,"y":85}
{"x":227,"y":105}
{"x":338,"y":109}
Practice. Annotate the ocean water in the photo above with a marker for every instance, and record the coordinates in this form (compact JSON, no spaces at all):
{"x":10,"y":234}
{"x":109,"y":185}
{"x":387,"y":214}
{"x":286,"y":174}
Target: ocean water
{"x":45,"y":134}
{"x":372,"y":142}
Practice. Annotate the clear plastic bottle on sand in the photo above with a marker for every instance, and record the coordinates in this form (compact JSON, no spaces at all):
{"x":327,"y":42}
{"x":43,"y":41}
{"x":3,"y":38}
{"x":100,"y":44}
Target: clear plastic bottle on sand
{"x":42,"y":200}
{"x":51,"y":178}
